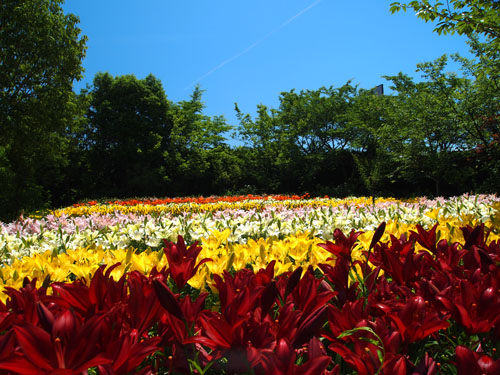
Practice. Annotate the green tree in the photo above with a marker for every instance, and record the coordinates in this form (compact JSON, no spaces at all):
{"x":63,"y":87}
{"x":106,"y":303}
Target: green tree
{"x":197,"y":149}
{"x":474,"y":18}
{"x":266,"y":156}
{"x":302,"y":145}
{"x":428,"y":136}
{"x":317,"y":119}
{"x":317,"y":135}
{"x":480,"y":110}
{"x":128,"y":131}
{"x":370,"y":143}
{"x":41,"y":50}
{"x":463,"y":17}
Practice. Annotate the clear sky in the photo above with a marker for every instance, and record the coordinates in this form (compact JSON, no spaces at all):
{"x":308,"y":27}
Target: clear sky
{"x":249,"y":51}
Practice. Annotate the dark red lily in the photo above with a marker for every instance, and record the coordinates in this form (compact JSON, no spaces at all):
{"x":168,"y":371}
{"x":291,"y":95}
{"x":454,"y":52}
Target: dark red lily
{"x":167,"y":299}
{"x":143,"y":306}
{"x":101,"y":296}
{"x":338,"y":275}
{"x":475,"y":306}
{"x":472,"y":363}
{"x":306,"y":295}
{"x":309,"y":326}
{"x":427,"y":366}
{"x":364,"y":357}
{"x":427,"y":239}
{"x":22,"y":302}
{"x":104,"y":291}
{"x":7,"y":345}
{"x":283,"y":360}
{"x":343,"y":245}
{"x":127,"y":352}
{"x":69,"y":349}
{"x":237,"y":295}
{"x":414,"y":321}
{"x":182,"y":261}
{"x":243,"y":344}
{"x":345,"y":318}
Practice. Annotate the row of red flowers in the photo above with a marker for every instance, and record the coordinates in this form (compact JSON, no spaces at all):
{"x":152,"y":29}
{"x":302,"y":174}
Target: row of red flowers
{"x":198,"y":200}
{"x":435,"y":311}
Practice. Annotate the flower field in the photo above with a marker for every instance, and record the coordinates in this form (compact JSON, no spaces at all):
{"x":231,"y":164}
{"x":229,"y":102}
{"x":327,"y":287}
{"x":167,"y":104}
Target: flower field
{"x":253,"y":285}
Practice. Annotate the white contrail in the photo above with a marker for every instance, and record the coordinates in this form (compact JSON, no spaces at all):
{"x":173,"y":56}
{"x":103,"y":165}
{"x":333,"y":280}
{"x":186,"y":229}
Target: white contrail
{"x":253,"y":45}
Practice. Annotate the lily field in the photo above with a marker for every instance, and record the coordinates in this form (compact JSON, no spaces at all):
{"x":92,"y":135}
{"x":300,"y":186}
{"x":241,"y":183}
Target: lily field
{"x":253,"y":285}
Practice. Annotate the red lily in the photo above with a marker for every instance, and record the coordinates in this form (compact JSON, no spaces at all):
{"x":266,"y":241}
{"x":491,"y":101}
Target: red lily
{"x":237,"y":295}
{"x":473,"y":363}
{"x":288,"y":322}
{"x":476,"y":307}
{"x":306,"y":296}
{"x":427,"y":239}
{"x":343,"y":245}
{"x":338,"y":275}
{"x":309,"y":326}
{"x":182,"y":261}
{"x":345,"y":318}
{"x":414,"y":321}
{"x":167,"y":299}
{"x":127,"y":352}
{"x":22,"y":302}
{"x":243,"y":344}
{"x":104,"y":292}
{"x":282,"y":360}
{"x":7,"y":345}
{"x":69,"y":349}
{"x":143,"y":307}
{"x":427,"y":366}
{"x":364,"y":357}
{"x":101,"y":296}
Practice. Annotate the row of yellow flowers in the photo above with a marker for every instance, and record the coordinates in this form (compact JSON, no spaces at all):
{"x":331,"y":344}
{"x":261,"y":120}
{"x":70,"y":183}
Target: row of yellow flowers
{"x":176,"y":209}
{"x":296,"y":250}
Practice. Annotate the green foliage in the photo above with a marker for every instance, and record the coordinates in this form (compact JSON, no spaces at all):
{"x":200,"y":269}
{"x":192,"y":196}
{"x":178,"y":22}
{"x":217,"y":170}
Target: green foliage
{"x":302,"y":146}
{"x":40,"y":56}
{"x":427,"y":131}
{"x":197,"y":152}
{"x":122,"y":137}
{"x":479,"y":110}
{"x":473,"y":18}
{"x":134,"y":141}
{"x":462,"y":17}
{"x":126,"y":132}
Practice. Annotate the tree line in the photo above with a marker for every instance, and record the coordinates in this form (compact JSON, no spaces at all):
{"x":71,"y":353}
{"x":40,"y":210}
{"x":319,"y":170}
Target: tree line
{"x":122,"y":137}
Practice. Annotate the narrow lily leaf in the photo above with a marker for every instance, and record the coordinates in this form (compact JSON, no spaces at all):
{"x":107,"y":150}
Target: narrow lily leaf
{"x":268,"y":296}
{"x":350,"y":332}
{"x":293,"y":281}
{"x":45,"y":316}
{"x":309,"y":326}
{"x":474,"y":237}
{"x":378,"y":234}
{"x":167,"y":299}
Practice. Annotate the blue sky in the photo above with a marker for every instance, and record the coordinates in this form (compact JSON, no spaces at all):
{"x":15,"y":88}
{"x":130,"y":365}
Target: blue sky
{"x":250,"y":51}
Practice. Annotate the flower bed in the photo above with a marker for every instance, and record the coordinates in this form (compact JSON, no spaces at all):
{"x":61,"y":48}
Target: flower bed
{"x":115,"y":226}
{"x":403,"y":297}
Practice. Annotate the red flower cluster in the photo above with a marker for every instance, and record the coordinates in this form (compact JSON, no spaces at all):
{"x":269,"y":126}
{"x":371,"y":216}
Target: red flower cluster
{"x":407,"y":313}
{"x":199,"y":200}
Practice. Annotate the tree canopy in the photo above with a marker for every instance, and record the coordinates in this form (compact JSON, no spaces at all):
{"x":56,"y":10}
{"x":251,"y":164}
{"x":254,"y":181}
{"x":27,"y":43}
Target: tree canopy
{"x":462,"y":17}
{"x":122,"y":137}
{"x":41,"y":51}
